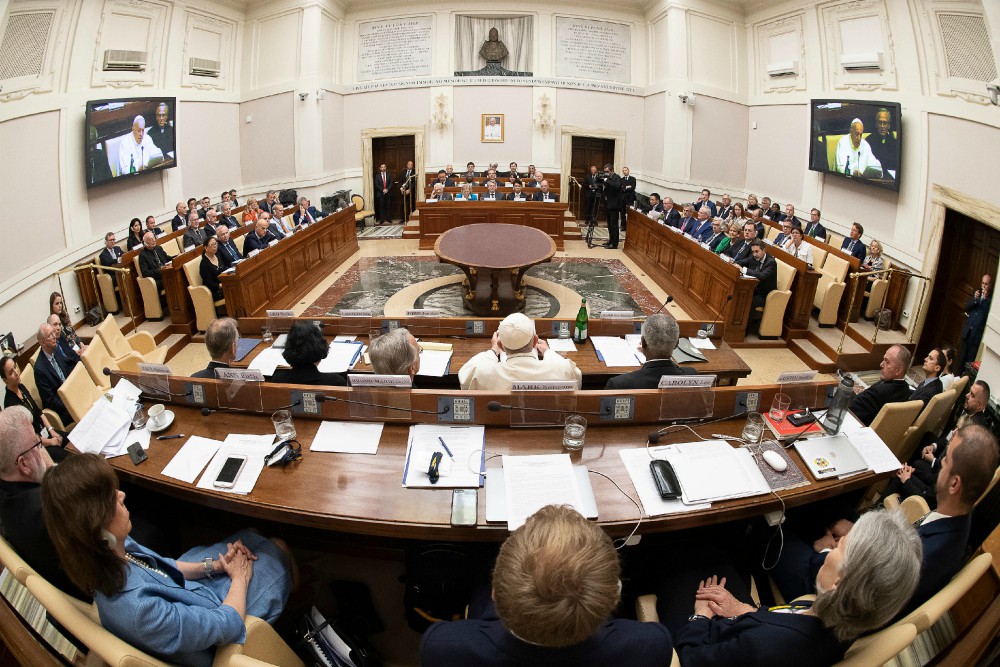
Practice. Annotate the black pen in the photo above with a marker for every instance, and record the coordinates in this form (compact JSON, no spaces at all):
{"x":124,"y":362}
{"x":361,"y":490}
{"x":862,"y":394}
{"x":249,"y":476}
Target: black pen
{"x":170,"y":437}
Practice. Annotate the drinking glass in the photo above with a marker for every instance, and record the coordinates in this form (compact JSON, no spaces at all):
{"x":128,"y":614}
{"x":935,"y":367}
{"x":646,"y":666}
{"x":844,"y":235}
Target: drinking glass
{"x":265,"y":333}
{"x":138,"y":417}
{"x":779,"y":406}
{"x":284,"y":427}
{"x":574,"y":432}
{"x":753,"y":429}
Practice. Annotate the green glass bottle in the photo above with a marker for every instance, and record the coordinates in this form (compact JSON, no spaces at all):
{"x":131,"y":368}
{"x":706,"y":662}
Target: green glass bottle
{"x":580,"y":329}
{"x":131,"y":164}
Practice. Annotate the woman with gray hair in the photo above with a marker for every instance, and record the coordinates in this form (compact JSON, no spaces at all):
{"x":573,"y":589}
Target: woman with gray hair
{"x":863,"y":584}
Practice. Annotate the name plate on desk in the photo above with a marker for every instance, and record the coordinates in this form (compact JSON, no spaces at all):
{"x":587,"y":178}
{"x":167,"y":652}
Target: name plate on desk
{"x":797,"y":376}
{"x":238,"y":375}
{"x":280,"y":313}
{"x":687,"y":381}
{"x":617,"y":315}
{"x":154,"y":369}
{"x":356,"y":312}
{"x":554,"y":385}
{"x":273,"y":243}
{"x":366,"y":380}
{"x":423,"y":312}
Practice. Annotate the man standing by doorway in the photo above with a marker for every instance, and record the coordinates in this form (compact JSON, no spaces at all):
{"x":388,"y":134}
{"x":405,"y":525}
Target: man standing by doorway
{"x":977,"y":308}
{"x":407,"y":179}
{"x":614,"y":203}
{"x":383,"y":195}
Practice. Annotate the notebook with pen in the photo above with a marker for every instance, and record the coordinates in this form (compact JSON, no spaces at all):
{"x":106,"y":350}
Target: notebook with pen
{"x":463,"y":461}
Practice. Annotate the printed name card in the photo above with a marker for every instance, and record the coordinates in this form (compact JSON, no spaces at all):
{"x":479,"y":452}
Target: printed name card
{"x":238,"y":375}
{"x":356,"y":312}
{"x":280,"y":313}
{"x":688,"y":381}
{"x":423,"y":312}
{"x":367,"y":380}
{"x":154,"y":369}
{"x":272,"y":243}
{"x":797,"y":376}
{"x":554,"y":385}
{"x":617,"y":314}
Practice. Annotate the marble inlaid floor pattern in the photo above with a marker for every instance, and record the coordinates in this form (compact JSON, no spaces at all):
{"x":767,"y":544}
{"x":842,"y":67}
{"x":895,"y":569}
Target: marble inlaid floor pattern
{"x":373,"y":281}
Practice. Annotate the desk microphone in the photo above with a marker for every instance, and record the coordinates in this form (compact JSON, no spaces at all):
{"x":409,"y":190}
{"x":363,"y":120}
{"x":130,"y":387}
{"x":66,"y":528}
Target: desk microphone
{"x":443,"y":411}
{"x":207,"y":411}
{"x":107,"y":371}
{"x":669,"y":299}
{"x":497,"y":406}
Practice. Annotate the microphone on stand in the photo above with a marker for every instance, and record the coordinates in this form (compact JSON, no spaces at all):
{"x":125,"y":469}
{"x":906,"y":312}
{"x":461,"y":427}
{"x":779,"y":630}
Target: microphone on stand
{"x":497,"y":406}
{"x":207,"y":411}
{"x":443,"y":411}
{"x":669,"y":299}
{"x":107,"y":371}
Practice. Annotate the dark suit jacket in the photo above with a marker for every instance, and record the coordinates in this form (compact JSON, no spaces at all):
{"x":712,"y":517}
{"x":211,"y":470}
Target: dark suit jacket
{"x":297,"y":216}
{"x":178,"y":223}
{"x":613,"y":196}
{"x":709,"y":203}
{"x":151,"y":261}
{"x":523,"y":195}
{"x":704,"y":231}
{"x":229,"y":221}
{"x":648,"y":376}
{"x":944,"y":541}
{"x":724,"y":211}
{"x":228,"y":253}
{"x":714,"y":240}
{"x":111,"y":256}
{"x":487,"y":643}
{"x":739,"y":250}
{"x":309,"y":376}
{"x":209,"y":371}
{"x":377,"y":181}
{"x":210,"y":275}
{"x":867,"y":404}
{"x":548,"y":196}
{"x":688,"y":225}
{"x":628,"y":189}
{"x":817,"y":231}
{"x":859,"y":248}
{"x":253,"y":242}
{"x":673,"y":218}
{"x":976,"y":309}
{"x":759,"y":226}
{"x":758,"y":638}
{"x":765,"y":271}
{"x":48,"y":381}
{"x":926,"y":392}
{"x":590,"y":185}
{"x":264,"y":206}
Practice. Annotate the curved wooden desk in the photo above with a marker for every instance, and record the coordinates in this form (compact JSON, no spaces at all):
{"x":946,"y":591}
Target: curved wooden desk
{"x":504,"y":253}
{"x":436,"y":218}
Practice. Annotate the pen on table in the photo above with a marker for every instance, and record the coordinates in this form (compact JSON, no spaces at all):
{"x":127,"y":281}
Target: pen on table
{"x":450,"y":455}
{"x":169,"y":437}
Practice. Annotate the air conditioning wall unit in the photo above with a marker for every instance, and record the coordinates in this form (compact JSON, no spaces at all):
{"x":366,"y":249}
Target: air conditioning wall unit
{"x":861,"y":62}
{"x":204,"y":67}
{"x":118,"y":60}
{"x":785,"y":68}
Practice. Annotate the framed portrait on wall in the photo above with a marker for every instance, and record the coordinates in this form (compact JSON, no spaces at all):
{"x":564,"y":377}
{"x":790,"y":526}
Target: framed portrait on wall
{"x":492,"y":128}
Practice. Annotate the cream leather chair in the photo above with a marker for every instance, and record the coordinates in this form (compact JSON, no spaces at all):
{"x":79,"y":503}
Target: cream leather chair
{"x":360,"y":212}
{"x":105,"y":287}
{"x":773,"y":311}
{"x":927,"y":614}
{"x":128,"y":352}
{"x":239,"y":241}
{"x":151,"y":305}
{"x":929,"y":420}
{"x":819,"y":257}
{"x":912,"y":508}
{"x":830,"y":289}
{"x":96,"y":358}
{"x":28,"y":380}
{"x":876,"y":292}
{"x":79,"y":393}
{"x":201,"y":296}
{"x":771,"y":233}
{"x":834,"y":240}
{"x":14,"y":563}
{"x":892,"y":421}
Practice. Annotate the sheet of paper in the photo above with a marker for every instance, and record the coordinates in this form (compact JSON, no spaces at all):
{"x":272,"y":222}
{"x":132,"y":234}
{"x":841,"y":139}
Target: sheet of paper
{"x":714,"y":470}
{"x":344,"y":339}
{"x":267,"y":361}
{"x":635,"y":342}
{"x":561,"y":344}
{"x":255,"y":454}
{"x":701,"y":343}
{"x":615,"y":351}
{"x":141,"y":436}
{"x":124,"y":396}
{"x":252,"y":440}
{"x":637,"y":464}
{"x":341,"y":357}
{"x":434,"y":363}
{"x":467,"y":445}
{"x":347,"y":437}
{"x":191,"y":458}
{"x":103,"y":427}
{"x":875,"y":452}
{"x":532,"y":482}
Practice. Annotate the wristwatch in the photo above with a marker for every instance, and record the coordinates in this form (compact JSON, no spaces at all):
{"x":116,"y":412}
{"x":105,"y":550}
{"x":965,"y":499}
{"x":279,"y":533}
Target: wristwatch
{"x":209,"y":568}
{"x":695,"y":617}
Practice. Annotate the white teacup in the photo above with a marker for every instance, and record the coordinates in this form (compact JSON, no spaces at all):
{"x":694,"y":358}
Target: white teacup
{"x":157,"y":415}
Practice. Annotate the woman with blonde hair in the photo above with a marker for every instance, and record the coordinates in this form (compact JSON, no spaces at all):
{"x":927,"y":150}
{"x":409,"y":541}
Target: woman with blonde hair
{"x":251,"y":212}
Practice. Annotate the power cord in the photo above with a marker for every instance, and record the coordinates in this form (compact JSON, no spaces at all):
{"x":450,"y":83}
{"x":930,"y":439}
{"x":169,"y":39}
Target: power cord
{"x":623,"y":540}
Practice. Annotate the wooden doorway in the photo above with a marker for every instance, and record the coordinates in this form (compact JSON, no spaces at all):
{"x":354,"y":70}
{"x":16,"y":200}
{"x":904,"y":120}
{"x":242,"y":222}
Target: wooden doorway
{"x":589,"y":151}
{"x":394,"y":152}
{"x":969,"y":249}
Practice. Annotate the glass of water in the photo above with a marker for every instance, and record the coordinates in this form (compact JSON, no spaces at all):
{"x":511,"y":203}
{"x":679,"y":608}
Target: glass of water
{"x":265,"y":333}
{"x":138,"y":417}
{"x":284,"y":427}
{"x":574,"y":432}
{"x":779,"y":406}
{"x":753,"y":430}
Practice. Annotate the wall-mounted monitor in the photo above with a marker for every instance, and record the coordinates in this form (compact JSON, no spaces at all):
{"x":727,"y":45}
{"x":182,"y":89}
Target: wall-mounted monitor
{"x":857,"y":139}
{"x":129,"y":137}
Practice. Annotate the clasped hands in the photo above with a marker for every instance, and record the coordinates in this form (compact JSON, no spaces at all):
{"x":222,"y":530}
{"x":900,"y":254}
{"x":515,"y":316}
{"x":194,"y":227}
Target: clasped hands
{"x":712,"y":599}
{"x":237,"y":561}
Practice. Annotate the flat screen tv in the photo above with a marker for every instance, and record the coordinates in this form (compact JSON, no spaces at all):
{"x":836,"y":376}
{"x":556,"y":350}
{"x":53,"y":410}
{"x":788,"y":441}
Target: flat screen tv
{"x":129,"y":137}
{"x":857,"y":139}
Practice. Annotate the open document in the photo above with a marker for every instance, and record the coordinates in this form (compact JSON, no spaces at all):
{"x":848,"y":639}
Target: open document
{"x":463,"y":469}
{"x":532,"y":482}
{"x":714,"y":470}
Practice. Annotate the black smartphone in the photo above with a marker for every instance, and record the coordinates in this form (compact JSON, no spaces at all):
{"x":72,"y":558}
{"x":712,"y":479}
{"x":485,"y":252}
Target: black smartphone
{"x":136,"y":453}
{"x":231,"y":469}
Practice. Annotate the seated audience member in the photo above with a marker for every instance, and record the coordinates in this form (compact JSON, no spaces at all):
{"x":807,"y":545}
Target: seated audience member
{"x":305,"y":214}
{"x":815,"y":229}
{"x":232,"y":198}
{"x":491,"y":176}
{"x":17,"y":394}
{"x":874,"y":260}
{"x":203,"y":206}
{"x":211,"y":223}
{"x":491,"y":192}
{"x":764,"y":268}
{"x":853,"y":244}
{"x":543,"y":193}
{"x":688,"y":219}
{"x":948,"y":374}
{"x":52,"y":368}
{"x":64,"y":347}
{"x":757,"y":218}
{"x":195,"y":234}
{"x":655,"y":205}
{"x":305,"y":347}
{"x":531,"y":172}
{"x":891,"y":387}
{"x":449,"y":171}
{"x":178,"y":610}
{"x":673,"y":216}
{"x":438,"y":193}
{"x":555,"y":585}
{"x":715,"y":238}
{"x":517,"y":194}
{"x":790,"y":216}
{"x":932,"y":385}
{"x":659,"y":336}
{"x":57,"y":307}
{"x":703,"y":226}
{"x":862,"y":584}
{"x":270,"y":199}
{"x":726,"y":210}
{"x":227,"y":219}
{"x":785,"y":234}
{"x":279,"y":225}
{"x":111,"y":254}
{"x":752,"y":204}
{"x":705,"y":199}
{"x":535,"y":179}
{"x":797,"y":247}
{"x":467,"y":194}
{"x":221,"y":338}
{"x":151,"y":226}
{"x":229,"y":254}
{"x":179,"y":220}
{"x":251,"y":211}
{"x":734,"y":234}
{"x":741,"y":250}
{"x":134,"y":233}
{"x":192,"y":205}
{"x":528,"y":358}
{"x":470,"y":173}
{"x":512,"y":174}
{"x":395,"y":353}
{"x":261,"y":237}
{"x":919,"y":476}
{"x":224,"y":198}
{"x":211,"y":266}
{"x":736,"y":212}
{"x":774,"y":213}
{"x":444,"y":180}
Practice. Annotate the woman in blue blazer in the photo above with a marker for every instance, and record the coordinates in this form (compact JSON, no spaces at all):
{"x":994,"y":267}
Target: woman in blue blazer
{"x":178,"y":610}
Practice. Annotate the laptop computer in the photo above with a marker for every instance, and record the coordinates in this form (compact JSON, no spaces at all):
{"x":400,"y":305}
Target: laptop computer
{"x":833,"y":456}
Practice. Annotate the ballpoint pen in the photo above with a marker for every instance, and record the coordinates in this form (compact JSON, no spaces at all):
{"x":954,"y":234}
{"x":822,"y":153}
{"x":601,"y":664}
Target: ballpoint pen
{"x":450,"y":455}
{"x":169,"y":437}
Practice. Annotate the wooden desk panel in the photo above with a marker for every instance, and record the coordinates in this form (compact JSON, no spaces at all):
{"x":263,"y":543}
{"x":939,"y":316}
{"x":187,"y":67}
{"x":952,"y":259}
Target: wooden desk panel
{"x":703,"y":284}
{"x":277,"y":277}
{"x":438,"y":217}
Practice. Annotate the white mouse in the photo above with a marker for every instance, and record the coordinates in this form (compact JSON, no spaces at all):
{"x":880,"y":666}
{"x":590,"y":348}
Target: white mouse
{"x":775,"y":460}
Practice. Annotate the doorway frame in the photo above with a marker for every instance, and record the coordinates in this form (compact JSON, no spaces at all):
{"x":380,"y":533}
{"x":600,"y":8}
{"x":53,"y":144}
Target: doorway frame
{"x":368,"y":169}
{"x":567,"y":132}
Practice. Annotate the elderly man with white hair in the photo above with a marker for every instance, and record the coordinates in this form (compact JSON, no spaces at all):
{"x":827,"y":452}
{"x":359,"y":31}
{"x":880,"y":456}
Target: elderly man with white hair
{"x":516,"y":355}
{"x":137,"y":149}
{"x":854,"y":154}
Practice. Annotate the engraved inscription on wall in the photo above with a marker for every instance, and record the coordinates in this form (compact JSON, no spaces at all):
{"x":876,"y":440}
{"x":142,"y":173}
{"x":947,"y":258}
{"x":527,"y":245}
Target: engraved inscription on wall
{"x":593,"y":50}
{"x":394,"y":48}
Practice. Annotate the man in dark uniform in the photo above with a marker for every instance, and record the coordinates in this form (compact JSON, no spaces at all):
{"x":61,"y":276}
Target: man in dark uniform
{"x":614,"y":203}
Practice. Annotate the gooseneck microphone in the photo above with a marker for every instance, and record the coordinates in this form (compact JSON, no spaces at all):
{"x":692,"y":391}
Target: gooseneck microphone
{"x":669,"y":299}
{"x":153,"y":390}
{"x":497,"y":406}
{"x":207,"y":411}
{"x":443,"y":411}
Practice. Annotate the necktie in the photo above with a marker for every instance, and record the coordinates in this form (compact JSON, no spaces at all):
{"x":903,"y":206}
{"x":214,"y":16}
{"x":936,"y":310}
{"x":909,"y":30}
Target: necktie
{"x":55,"y":362}
{"x":850,"y":246}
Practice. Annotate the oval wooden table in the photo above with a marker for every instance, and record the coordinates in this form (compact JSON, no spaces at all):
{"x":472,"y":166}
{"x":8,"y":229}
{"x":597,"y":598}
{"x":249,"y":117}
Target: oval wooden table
{"x":501,"y":252}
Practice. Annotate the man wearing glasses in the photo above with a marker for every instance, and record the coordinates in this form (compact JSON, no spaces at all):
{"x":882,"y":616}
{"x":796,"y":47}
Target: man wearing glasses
{"x":52,"y":368}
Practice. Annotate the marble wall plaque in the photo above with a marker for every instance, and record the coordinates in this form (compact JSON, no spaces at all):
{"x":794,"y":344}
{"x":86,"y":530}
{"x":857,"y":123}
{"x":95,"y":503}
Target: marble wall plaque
{"x":394,"y":48}
{"x":588,"y":49}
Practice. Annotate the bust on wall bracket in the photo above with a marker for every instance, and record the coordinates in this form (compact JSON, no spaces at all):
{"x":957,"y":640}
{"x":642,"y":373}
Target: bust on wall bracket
{"x":493,"y":51}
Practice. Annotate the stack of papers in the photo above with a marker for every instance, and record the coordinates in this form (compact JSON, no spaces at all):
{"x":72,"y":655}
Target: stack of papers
{"x":561,"y":345}
{"x":615,"y":351}
{"x":342,"y":357}
{"x":267,"y":361}
{"x":532,"y":482}
{"x":254,"y":447}
{"x":434,"y":363}
{"x":637,"y":464}
{"x":714,"y":470}
{"x":347,"y":437}
{"x":466,"y":443}
{"x":104,"y":429}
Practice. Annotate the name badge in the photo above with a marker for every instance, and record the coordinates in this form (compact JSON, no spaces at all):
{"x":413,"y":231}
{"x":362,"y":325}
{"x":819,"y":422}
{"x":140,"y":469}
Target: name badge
{"x":272,"y":243}
{"x":280,"y":313}
{"x":154,"y":369}
{"x":796,"y":376}
{"x":423,"y":312}
{"x":553,"y":385}
{"x":678,"y":381}
{"x":356,"y":312}
{"x":617,"y":314}
{"x":238,"y":375}
{"x":367,"y":380}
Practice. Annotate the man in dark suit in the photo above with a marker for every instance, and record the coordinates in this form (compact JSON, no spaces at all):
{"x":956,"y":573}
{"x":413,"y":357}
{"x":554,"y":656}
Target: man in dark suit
{"x":790,"y":216}
{"x":562,"y":568}
{"x":628,"y":191}
{"x":673,"y":216}
{"x":815,"y":228}
{"x":703,"y":230}
{"x":151,"y":226}
{"x":784,"y":235}
{"x":438,"y":193}
{"x":976,"y":308}
{"x":592,"y":190}
{"x":757,"y":217}
{"x":408,"y":184}
{"x":726,"y":209}
{"x":715,"y":238}
{"x":195,"y":235}
{"x":931,"y":386}
{"x":764,"y":268}
{"x":305,"y":214}
{"x":261,"y":237}
{"x":705,"y":199}
{"x":659,"y":338}
{"x":269,"y":201}
{"x":228,"y":253}
{"x":444,"y":180}
{"x":53,"y":366}
{"x":655,"y":205}
{"x":543,"y":193}
{"x":891,"y":387}
{"x":517,"y":194}
{"x":512,"y":173}
{"x":179,"y":221}
{"x":162,"y":132}
{"x":152,"y":259}
{"x":383,"y":195}
{"x":203,"y":207}
{"x":853,"y":244}
{"x":111,"y":254}
{"x":741,"y":250}
{"x":614,"y":203}
{"x":227,"y":218}
{"x":688,"y":221}
{"x":221,"y":338}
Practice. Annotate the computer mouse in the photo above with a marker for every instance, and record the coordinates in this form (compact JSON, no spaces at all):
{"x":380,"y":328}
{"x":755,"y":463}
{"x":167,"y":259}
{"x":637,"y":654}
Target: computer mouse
{"x":775,"y":460}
